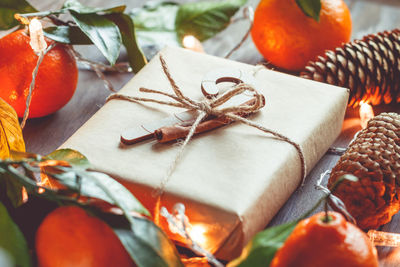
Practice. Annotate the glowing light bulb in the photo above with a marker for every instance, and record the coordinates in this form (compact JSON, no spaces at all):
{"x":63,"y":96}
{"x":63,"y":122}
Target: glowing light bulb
{"x":192,"y":43}
{"x":366,"y":113}
{"x":197,"y":233}
{"x":380,"y":238}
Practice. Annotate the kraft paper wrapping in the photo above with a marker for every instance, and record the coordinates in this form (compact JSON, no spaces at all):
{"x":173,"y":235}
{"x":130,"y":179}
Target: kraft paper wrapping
{"x":232,"y":180}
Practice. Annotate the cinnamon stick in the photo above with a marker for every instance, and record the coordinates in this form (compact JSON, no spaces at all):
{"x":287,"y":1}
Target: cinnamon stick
{"x":177,"y":131}
{"x":169,"y":133}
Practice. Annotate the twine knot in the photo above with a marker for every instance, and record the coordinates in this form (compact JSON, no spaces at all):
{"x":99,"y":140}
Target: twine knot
{"x":206,"y":107}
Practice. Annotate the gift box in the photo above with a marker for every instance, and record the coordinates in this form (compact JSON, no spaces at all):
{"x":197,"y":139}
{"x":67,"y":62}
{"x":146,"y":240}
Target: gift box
{"x":233,"y":179}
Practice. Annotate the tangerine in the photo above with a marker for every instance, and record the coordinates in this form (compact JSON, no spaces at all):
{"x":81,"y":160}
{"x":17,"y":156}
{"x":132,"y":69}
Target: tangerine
{"x":289,"y":39}
{"x":317,"y":243}
{"x":69,"y":236}
{"x":55,"y":82}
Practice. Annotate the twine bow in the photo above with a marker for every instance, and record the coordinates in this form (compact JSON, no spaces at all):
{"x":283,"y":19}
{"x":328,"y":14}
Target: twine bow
{"x":208,"y":107}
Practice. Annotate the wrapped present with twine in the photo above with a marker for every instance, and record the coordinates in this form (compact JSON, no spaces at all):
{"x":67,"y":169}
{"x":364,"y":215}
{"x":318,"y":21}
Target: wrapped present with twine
{"x":232,"y":179}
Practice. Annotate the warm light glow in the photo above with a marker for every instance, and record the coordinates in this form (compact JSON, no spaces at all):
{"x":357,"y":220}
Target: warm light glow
{"x":197,"y":233}
{"x":380,"y":238}
{"x":24,"y":195}
{"x":366,"y":113}
{"x":45,"y":182}
{"x":192,"y":43}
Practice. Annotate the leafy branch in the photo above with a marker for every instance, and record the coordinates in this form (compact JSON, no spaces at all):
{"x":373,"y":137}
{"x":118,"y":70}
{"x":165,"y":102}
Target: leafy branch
{"x":63,"y":177}
{"x":158,"y":22}
{"x":106,"y":28}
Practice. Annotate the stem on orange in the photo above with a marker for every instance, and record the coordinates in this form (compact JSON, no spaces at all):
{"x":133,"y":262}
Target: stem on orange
{"x":326,"y":218}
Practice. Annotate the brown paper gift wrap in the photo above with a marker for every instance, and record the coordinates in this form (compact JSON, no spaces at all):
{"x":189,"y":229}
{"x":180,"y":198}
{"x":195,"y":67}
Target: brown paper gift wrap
{"x":232,"y":180}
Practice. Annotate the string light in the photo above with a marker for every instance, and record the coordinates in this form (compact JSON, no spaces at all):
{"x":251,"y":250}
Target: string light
{"x":197,"y":233}
{"x":366,"y":113}
{"x":192,"y":43}
{"x":194,"y":235}
{"x":380,"y":238}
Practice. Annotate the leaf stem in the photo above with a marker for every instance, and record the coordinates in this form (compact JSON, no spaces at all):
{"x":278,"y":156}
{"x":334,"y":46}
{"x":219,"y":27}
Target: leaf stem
{"x":99,"y":68}
{"x":41,"y":14}
{"x":248,"y":14}
{"x":328,"y":194}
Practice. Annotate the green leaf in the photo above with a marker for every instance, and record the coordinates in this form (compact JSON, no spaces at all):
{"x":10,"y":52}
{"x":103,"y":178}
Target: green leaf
{"x":205,"y":19}
{"x":76,"y":6}
{"x":155,"y":16}
{"x":102,"y":32}
{"x":10,"y":7}
{"x":10,"y":189}
{"x":125,"y":24}
{"x":155,"y":23}
{"x":12,"y":240}
{"x":311,"y":8}
{"x":13,"y":188}
{"x":101,"y":186}
{"x":73,"y":157}
{"x":261,"y":250}
{"x":148,"y":245}
{"x":67,"y":35}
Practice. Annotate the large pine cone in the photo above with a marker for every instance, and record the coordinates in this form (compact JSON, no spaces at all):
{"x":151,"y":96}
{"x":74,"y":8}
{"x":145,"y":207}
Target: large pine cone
{"x":373,"y":157}
{"x":370,"y":68}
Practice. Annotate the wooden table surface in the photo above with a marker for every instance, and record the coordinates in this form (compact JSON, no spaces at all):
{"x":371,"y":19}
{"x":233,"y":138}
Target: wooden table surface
{"x":46,"y":134}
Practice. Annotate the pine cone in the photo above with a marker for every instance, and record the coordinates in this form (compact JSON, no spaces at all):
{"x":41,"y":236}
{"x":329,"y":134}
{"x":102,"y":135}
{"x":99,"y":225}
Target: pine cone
{"x":373,"y":157}
{"x":370,"y":68}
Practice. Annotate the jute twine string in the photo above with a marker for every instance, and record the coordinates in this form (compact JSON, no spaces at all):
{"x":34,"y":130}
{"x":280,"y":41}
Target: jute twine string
{"x":208,"y":107}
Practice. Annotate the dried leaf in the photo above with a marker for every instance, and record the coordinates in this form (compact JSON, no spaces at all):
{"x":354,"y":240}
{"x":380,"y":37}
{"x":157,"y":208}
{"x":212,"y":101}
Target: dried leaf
{"x":10,"y":132}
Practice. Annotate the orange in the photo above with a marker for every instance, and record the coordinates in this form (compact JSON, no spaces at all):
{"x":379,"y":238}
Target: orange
{"x":69,"y":236}
{"x":55,"y":83}
{"x":289,"y":39}
{"x":316,"y":243}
